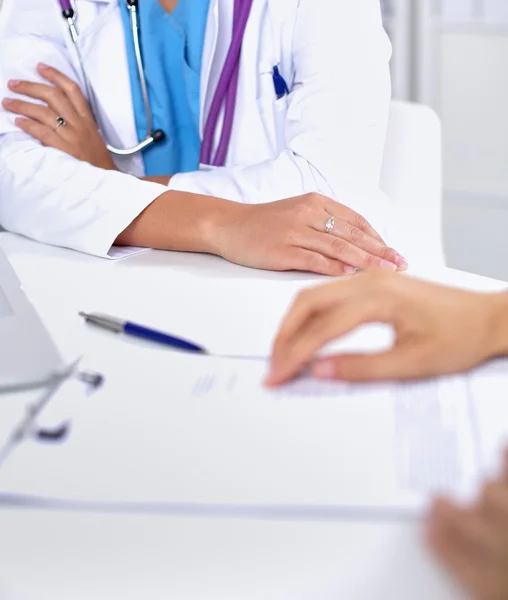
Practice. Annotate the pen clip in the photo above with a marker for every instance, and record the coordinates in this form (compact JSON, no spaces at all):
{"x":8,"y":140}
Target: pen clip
{"x":27,"y":427}
{"x":55,"y":434}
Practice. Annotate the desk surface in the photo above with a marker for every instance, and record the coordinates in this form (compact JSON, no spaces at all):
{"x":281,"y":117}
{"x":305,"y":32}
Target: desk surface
{"x":55,"y":555}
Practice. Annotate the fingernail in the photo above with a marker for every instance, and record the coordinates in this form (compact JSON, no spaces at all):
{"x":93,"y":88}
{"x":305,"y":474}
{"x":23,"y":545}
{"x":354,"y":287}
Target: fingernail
{"x":42,"y":66}
{"x":388,"y":265}
{"x":19,"y":121}
{"x":324,"y":369}
{"x":348,"y":270}
{"x":401,"y":262}
{"x":270,"y":377}
{"x":7,"y":101}
{"x":13,"y":82}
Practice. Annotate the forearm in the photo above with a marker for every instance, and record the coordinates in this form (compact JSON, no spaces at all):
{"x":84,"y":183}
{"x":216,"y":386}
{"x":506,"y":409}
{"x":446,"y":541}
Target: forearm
{"x":498,"y":334}
{"x":56,"y":199}
{"x":162,"y":179}
{"x":180,"y":221}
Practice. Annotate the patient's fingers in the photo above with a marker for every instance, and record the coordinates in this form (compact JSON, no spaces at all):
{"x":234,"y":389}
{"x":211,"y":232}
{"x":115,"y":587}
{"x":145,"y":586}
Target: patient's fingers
{"x":404,"y":362}
{"x":314,"y":331}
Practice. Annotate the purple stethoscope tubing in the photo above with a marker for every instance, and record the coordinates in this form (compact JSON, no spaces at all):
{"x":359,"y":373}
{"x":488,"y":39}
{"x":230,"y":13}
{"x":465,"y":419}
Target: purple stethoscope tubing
{"x":226,"y":91}
{"x":229,"y":110}
{"x":65,"y":5}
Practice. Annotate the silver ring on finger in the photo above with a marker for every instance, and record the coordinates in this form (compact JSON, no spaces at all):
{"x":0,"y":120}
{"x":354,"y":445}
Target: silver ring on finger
{"x":330,"y":224}
{"x":60,"y":122}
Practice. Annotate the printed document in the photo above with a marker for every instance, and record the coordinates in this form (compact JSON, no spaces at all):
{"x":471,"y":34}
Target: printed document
{"x":204,"y":431}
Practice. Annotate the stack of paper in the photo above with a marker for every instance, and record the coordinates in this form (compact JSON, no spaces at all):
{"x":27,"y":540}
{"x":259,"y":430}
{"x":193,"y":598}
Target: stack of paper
{"x":204,"y":432}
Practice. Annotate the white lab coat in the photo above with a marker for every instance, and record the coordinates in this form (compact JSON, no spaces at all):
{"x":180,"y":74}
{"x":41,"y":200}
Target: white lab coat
{"x":327,"y":136}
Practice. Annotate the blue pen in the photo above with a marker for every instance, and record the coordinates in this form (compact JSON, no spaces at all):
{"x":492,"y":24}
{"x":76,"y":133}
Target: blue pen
{"x":145,"y":333}
{"x":281,"y":87}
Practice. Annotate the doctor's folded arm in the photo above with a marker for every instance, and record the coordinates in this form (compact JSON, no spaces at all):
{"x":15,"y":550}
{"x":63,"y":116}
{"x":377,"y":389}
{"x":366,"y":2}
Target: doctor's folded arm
{"x":250,"y":129}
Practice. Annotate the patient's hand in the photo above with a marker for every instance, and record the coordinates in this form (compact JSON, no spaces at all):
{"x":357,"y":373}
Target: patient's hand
{"x":438,"y":330}
{"x":62,"y":97}
{"x":472,"y":543}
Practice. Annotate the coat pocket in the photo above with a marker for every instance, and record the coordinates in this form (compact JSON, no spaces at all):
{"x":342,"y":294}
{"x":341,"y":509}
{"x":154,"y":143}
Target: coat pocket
{"x":273,"y":113}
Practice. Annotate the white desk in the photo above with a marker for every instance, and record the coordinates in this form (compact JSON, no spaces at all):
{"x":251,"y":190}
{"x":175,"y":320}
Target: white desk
{"x":61,"y":555}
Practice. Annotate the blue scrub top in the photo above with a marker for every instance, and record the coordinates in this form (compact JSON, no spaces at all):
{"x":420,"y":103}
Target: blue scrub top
{"x":172,"y":50}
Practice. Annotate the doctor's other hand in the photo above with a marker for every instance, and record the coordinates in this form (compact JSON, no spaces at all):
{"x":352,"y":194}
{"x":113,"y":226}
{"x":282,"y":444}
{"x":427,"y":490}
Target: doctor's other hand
{"x":438,"y":330}
{"x":472,"y":543}
{"x":292,"y":234}
{"x":77,"y":135}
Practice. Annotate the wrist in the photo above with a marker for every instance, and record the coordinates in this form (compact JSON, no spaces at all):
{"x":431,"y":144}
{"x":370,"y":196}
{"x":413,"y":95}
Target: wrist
{"x":498,"y":326}
{"x":162,"y":179}
{"x":219,"y":223}
{"x":105,"y":161}
{"x":184,"y":222}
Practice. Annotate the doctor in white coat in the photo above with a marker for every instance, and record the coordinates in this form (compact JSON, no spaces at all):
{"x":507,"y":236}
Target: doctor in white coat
{"x":298,"y":187}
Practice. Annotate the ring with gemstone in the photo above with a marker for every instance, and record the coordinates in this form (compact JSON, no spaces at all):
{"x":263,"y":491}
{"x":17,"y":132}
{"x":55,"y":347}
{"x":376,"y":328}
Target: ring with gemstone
{"x":60,"y":122}
{"x":330,"y":224}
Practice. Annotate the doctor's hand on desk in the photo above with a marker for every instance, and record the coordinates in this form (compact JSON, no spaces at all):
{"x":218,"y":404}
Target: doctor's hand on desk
{"x":438,"y":330}
{"x":279,"y":236}
{"x":307,"y":233}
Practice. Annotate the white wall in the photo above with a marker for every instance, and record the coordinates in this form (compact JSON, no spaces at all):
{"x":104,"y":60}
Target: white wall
{"x":473,"y":102}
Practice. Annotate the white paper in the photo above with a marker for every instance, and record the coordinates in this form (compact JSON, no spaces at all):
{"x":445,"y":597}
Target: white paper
{"x":119,"y":252}
{"x":208,"y":433}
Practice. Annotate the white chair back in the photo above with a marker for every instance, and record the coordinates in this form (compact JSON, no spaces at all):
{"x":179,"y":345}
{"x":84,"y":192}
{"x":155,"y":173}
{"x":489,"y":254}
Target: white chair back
{"x":412,"y":177}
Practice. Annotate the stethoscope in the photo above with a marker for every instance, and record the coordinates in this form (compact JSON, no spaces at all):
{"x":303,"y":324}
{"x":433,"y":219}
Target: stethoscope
{"x":224,"y":98}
